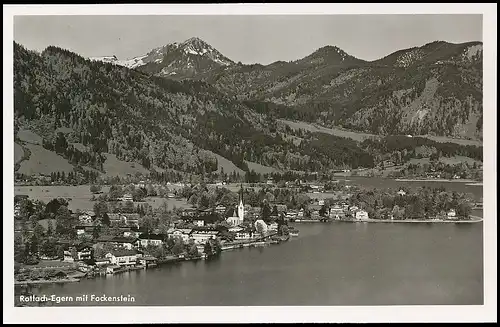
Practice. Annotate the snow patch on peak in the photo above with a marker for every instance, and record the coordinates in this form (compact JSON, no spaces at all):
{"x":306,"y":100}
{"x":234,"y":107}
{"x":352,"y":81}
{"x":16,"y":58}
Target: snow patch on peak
{"x":132,"y":63}
{"x":104,"y":58}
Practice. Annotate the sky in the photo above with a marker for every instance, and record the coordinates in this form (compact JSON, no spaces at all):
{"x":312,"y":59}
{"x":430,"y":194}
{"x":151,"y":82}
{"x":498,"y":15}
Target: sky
{"x":250,"y":39}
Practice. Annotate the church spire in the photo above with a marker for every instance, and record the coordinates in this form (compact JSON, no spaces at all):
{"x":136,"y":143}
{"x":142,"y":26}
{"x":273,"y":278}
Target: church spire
{"x":241,"y":193}
{"x":241,"y":208}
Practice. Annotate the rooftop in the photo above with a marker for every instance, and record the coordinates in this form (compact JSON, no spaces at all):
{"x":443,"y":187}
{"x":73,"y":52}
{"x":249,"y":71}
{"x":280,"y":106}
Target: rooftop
{"x":123,"y":252}
{"x":146,"y":236}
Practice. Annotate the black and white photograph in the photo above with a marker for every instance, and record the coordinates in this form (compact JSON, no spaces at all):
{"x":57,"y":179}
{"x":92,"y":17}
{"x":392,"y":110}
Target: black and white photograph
{"x":213,"y":158}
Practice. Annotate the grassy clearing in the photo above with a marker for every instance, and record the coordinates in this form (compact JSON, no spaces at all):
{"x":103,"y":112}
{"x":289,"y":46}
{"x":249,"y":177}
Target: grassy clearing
{"x":357,"y":136}
{"x":443,"y":139}
{"x":223,"y":163}
{"x":29,"y":137}
{"x":261,"y":169}
{"x":156,"y":202}
{"x":43,"y":161}
{"x":78,"y":196}
{"x":360,"y":136}
{"x":115,"y":167}
{"x":458,"y":159}
{"x":18,"y":152}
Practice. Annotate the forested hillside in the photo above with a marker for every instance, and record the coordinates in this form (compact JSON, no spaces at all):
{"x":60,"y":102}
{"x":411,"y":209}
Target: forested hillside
{"x":434,"y":89}
{"x":84,"y":109}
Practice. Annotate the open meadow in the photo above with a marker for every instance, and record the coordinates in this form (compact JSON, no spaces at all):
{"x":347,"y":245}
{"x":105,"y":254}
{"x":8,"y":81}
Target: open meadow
{"x":79,"y":196}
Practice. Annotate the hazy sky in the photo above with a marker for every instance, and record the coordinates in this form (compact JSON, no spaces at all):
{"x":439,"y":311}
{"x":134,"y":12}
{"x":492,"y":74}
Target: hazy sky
{"x":249,"y":39}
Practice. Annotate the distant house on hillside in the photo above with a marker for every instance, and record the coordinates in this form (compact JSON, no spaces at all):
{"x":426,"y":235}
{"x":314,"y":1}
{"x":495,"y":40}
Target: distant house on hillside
{"x":401,"y":192}
{"x":451,"y":214}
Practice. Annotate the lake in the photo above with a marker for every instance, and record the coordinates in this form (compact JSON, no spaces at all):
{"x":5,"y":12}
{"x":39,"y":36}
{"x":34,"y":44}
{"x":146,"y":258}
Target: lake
{"x":338,"y":263}
{"x":328,"y":264}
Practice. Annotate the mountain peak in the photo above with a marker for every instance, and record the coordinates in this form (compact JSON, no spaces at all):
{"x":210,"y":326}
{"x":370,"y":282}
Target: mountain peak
{"x":330,"y":54}
{"x":194,"y":40}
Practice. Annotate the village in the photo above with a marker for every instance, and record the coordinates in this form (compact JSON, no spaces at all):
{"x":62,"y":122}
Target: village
{"x":54,"y":244}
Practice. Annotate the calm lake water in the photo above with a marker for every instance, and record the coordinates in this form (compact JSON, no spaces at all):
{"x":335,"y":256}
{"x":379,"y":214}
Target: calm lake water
{"x":339,"y":263}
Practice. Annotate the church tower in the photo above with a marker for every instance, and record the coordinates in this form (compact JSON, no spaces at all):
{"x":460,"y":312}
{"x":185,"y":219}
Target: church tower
{"x":241,"y":208}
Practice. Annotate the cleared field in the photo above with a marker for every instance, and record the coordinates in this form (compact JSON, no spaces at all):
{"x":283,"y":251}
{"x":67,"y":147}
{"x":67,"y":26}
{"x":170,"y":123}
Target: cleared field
{"x":449,"y":161}
{"x":261,"y":169}
{"x":156,"y":202}
{"x":43,"y":161}
{"x":360,"y":136}
{"x":115,"y":167}
{"x":79,"y":195}
{"x":29,"y":137}
{"x":18,"y":152}
{"x":357,"y":136}
{"x":223,"y":163}
{"x":458,"y":159}
{"x":443,"y":139}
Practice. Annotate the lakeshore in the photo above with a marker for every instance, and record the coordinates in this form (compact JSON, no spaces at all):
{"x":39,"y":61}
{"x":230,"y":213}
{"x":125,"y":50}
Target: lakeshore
{"x":37,"y":282}
{"x":469,"y":181}
{"x":473,"y":219}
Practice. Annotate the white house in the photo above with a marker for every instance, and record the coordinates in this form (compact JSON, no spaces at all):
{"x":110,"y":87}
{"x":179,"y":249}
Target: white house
{"x":361,"y":215}
{"x":244,"y":234}
{"x":220,"y":209}
{"x":336,"y":212}
{"x":353,"y":208}
{"x":82,"y":253}
{"x":127,"y":198}
{"x":273,"y":226}
{"x":202,"y":236}
{"x":86,"y":217}
{"x":451,"y":214}
{"x":235,"y":229}
{"x":150,"y":239}
{"x":123,"y":257}
{"x":401,"y":192}
{"x":183,"y":234}
{"x":321,"y":202}
{"x":199,"y":222}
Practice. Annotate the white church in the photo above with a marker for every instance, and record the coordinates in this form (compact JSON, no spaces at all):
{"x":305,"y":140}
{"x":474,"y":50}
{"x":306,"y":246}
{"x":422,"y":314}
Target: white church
{"x":237,"y":218}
